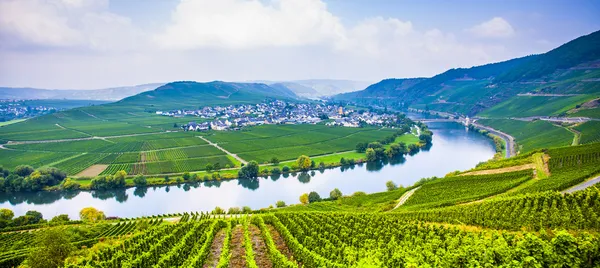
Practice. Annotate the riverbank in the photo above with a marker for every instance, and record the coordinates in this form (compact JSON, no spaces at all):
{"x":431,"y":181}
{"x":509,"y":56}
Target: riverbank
{"x":323,"y":162}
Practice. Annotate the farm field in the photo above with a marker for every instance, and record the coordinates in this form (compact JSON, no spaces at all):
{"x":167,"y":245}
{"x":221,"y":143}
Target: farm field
{"x":290,"y":142}
{"x":531,"y":135}
{"x":146,"y":152}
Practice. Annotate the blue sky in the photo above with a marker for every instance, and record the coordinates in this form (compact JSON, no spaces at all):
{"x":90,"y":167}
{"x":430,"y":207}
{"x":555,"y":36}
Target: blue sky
{"x":104,"y":43}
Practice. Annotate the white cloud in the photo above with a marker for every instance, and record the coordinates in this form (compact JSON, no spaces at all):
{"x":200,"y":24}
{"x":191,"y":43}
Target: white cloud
{"x":64,"y":23}
{"x":230,"y":40}
{"x":249,"y":23}
{"x":36,"y":22}
{"x":495,"y":28}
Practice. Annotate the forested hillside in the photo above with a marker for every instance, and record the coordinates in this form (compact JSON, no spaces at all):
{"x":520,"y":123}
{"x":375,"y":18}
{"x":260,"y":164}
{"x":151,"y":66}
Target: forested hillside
{"x":572,"y":68}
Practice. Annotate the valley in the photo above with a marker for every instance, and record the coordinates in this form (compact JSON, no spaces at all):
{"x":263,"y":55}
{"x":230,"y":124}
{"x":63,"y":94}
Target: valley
{"x":497,"y":165}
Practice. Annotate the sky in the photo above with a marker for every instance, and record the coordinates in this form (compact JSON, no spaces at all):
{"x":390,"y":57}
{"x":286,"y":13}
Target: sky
{"x":88,"y":44}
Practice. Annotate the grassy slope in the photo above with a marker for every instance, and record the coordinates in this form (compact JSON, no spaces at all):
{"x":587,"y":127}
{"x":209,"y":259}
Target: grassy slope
{"x":532,"y":135}
{"x":590,"y":132}
{"x":524,"y":106}
{"x":592,"y":113}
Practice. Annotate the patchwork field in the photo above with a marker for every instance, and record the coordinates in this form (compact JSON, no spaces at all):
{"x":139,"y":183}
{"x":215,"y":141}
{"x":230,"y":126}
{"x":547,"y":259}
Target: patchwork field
{"x":143,"y":143}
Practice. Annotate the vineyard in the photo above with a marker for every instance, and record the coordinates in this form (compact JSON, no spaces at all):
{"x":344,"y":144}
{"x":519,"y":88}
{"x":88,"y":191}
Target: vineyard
{"x":535,"y":211}
{"x":590,"y":132}
{"x":453,"y":190}
{"x":336,"y":240}
{"x":159,"y":152}
{"x":568,"y":166}
{"x":15,"y":247}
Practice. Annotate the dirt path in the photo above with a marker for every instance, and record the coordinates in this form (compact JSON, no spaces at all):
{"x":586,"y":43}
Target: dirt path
{"x":225,"y":151}
{"x":576,"y":137}
{"x":499,"y":170}
{"x":215,"y":250}
{"x":405,"y":197}
{"x":238,"y":252}
{"x":260,"y":248}
{"x":280,"y":243}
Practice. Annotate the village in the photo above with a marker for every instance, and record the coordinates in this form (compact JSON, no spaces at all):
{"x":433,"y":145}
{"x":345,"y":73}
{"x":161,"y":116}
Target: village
{"x":234,"y":117}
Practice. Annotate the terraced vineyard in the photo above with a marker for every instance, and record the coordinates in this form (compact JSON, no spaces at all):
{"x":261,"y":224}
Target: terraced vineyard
{"x":459,"y":189}
{"x":590,"y":132}
{"x":568,"y":166}
{"x":334,"y":240}
{"x":535,"y":211}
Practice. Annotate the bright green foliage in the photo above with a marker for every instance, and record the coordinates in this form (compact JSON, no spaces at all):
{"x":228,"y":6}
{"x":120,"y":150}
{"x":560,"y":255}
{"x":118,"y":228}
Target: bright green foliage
{"x":459,"y":189}
{"x":532,"y":135}
{"x":590,"y":132}
{"x":546,"y":210}
{"x":386,"y":240}
{"x":524,"y":106}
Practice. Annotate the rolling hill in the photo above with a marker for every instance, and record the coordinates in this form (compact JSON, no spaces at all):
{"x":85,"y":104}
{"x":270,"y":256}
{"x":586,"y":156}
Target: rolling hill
{"x":187,"y":94}
{"x":108,"y":94}
{"x":571,"y":69}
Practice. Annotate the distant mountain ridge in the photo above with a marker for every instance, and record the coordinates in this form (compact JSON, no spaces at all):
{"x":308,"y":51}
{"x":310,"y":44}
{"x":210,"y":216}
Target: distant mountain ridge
{"x":315,"y":88}
{"x":109,"y":94}
{"x":572,"y":68}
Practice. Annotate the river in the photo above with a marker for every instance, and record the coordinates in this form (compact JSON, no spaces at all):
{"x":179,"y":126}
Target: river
{"x":454,"y":148}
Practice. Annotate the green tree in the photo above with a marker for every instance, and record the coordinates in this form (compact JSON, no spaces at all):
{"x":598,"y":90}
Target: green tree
{"x":343,"y":161}
{"x":275,"y":161}
{"x":167,"y":179}
{"x":303,"y":162}
{"x":53,"y":247}
{"x":6,"y":214}
{"x":62,"y":218}
{"x":186,"y":176}
{"x":285,"y":169}
{"x":304,"y":198}
{"x":208,"y":167}
{"x":314,"y":197}
{"x":70,"y":185}
{"x":34,"y":216}
{"x":218,"y":210}
{"x":246,"y":209}
{"x":249,"y":171}
{"x":390,"y":185}
{"x":361,"y":147}
{"x":217,"y":166}
{"x":23,"y":170}
{"x":335,"y":194}
{"x":276,"y":171}
{"x":234,"y":210}
{"x":140,"y":180}
{"x":371,"y":156}
{"x":91,"y":214}
{"x":280,"y":204}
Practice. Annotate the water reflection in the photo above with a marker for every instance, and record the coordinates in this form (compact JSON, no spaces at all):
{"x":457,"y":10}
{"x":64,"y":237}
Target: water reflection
{"x":453,"y":149}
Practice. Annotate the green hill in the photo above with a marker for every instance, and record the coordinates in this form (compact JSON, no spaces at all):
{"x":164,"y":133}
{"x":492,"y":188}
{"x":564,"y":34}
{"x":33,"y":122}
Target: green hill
{"x":191,"y":95}
{"x":569,"y":69}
